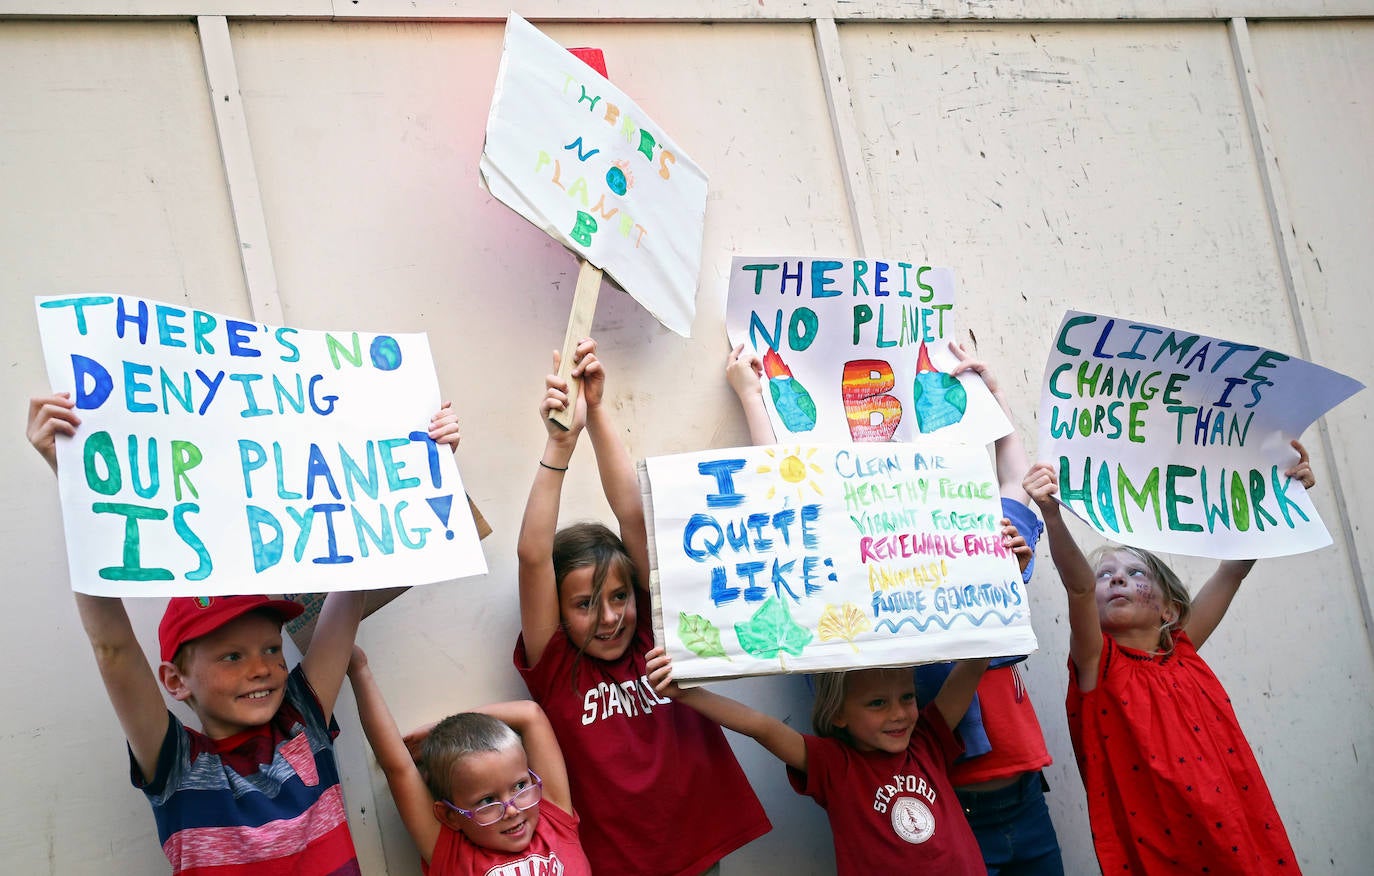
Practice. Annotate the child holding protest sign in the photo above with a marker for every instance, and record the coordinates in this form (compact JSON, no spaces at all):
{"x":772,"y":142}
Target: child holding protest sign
{"x":1171,"y":781}
{"x":485,"y":790}
{"x":999,"y":781}
{"x":638,"y":763}
{"x":257,"y":789}
{"x":878,"y":764}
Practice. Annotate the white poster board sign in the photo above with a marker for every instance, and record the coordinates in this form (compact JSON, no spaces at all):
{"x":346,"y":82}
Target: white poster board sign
{"x":858,"y":350}
{"x":219,"y":456}
{"x":1174,"y":441}
{"x":805,"y":558}
{"x":576,"y":156}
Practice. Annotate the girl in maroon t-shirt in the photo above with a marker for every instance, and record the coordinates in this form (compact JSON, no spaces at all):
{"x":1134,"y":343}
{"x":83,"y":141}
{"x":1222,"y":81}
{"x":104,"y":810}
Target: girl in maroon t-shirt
{"x":1172,"y":784}
{"x":637,"y":761}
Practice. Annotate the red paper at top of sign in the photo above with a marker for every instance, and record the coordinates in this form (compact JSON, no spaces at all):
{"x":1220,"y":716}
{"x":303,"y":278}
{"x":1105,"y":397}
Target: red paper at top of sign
{"x":593,"y":58}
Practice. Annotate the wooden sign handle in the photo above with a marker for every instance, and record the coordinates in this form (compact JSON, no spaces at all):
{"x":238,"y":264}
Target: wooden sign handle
{"x":579,"y":327}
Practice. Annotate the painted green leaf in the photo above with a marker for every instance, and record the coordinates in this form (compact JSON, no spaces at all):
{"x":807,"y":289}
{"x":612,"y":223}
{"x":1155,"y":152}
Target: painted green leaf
{"x":699,"y":636}
{"x":772,"y":630}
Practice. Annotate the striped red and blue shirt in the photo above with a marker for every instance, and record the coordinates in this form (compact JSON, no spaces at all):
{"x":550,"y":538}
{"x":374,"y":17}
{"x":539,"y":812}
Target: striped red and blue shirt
{"x":263,"y":802}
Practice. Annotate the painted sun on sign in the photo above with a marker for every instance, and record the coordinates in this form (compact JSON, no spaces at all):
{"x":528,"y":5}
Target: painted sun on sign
{"x":792,"y":470}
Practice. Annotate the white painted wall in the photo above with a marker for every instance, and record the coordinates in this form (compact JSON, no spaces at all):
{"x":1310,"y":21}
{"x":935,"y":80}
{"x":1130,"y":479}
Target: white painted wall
{"x":1105,"y":165}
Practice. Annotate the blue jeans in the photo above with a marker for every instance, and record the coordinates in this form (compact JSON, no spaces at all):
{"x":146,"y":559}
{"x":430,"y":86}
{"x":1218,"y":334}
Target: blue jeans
{"x":1013,"y":828}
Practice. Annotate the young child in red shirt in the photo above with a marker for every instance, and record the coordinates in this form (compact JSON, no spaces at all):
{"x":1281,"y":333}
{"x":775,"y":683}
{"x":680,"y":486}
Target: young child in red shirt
{"x":1171,"y":781}
{"x":999,"y":781}
{"x":639,"y":764}
{"x":486,"y":791}
{"x":878,"y":764}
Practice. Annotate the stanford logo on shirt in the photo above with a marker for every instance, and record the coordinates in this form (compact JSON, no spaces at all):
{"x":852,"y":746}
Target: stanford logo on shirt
{"x":534,"y":865}
{"x":912,"y":820}
{"x":628,"y":699}
{"x":902,"y":785}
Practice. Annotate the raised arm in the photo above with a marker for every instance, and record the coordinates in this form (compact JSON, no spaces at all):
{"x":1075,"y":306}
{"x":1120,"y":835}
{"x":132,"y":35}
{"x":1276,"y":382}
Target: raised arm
{"x":1012,"y":460}
{"x":539,"y":616}
{"x":744,"y":372}
{"x":786,"y":744}
{"x":956,"y":694}
{"x":326,"y":661}
{"x":408,"y":788}
{"x":619,"y":480}
{"x":1214,"y":599}
{"x":129,"y":681}
{"x":541,"y":746}
{"x":1085,"y":628}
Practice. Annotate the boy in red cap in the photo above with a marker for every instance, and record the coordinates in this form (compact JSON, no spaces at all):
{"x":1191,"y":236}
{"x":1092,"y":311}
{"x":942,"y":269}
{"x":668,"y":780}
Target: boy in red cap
{"x":256,"y":790}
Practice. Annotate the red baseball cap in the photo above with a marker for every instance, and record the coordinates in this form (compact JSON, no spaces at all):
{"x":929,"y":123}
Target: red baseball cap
{"x":190,"y":617}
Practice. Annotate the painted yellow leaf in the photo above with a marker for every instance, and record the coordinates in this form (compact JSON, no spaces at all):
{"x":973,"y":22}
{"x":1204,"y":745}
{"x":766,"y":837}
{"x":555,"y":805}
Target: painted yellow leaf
{"x":842,"y":622}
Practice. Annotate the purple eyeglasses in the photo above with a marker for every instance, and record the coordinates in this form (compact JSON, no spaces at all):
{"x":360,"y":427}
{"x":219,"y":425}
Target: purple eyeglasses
{"x":490,"y":813}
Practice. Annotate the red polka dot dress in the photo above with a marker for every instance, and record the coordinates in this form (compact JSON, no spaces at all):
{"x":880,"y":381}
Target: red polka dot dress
{"x":1172,"y":785}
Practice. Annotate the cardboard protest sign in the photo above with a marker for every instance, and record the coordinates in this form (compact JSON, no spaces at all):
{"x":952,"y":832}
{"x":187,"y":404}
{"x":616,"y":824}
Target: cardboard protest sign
{"x":858,"y":350}
{"x":576,"y":156}
{"x":804,"y":558}
{"x":219,"y":456}
{"x":1174,"y":441}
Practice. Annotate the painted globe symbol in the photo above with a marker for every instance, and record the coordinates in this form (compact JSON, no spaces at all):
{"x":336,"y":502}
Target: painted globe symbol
{"x":939,"y":398}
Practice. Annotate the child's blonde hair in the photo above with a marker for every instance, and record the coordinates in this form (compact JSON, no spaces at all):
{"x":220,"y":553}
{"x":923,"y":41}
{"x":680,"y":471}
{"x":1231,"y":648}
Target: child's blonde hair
{"x":1174,"y":592}
{"x":455,"y":738}
{"x":829,"y":700}
{"x":831,"y":688}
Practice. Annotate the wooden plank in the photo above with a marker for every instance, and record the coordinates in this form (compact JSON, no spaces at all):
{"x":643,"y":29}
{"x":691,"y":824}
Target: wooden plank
{"x":845,"y":129}
{"x":579,"y":327}
{"x":245,"y":196}
{"x":1283,"y":227}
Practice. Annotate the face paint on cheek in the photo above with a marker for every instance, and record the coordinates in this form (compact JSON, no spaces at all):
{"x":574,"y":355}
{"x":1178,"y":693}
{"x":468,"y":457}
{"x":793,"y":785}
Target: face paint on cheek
{"x":1147,"y":592}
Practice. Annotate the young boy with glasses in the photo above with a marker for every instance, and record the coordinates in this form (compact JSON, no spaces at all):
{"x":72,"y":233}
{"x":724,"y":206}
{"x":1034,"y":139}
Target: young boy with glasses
{"x":478,"y":790}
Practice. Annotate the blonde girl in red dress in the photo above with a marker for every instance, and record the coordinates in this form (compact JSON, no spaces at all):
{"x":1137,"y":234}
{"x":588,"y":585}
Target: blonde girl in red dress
{"x":1172,"y":784}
